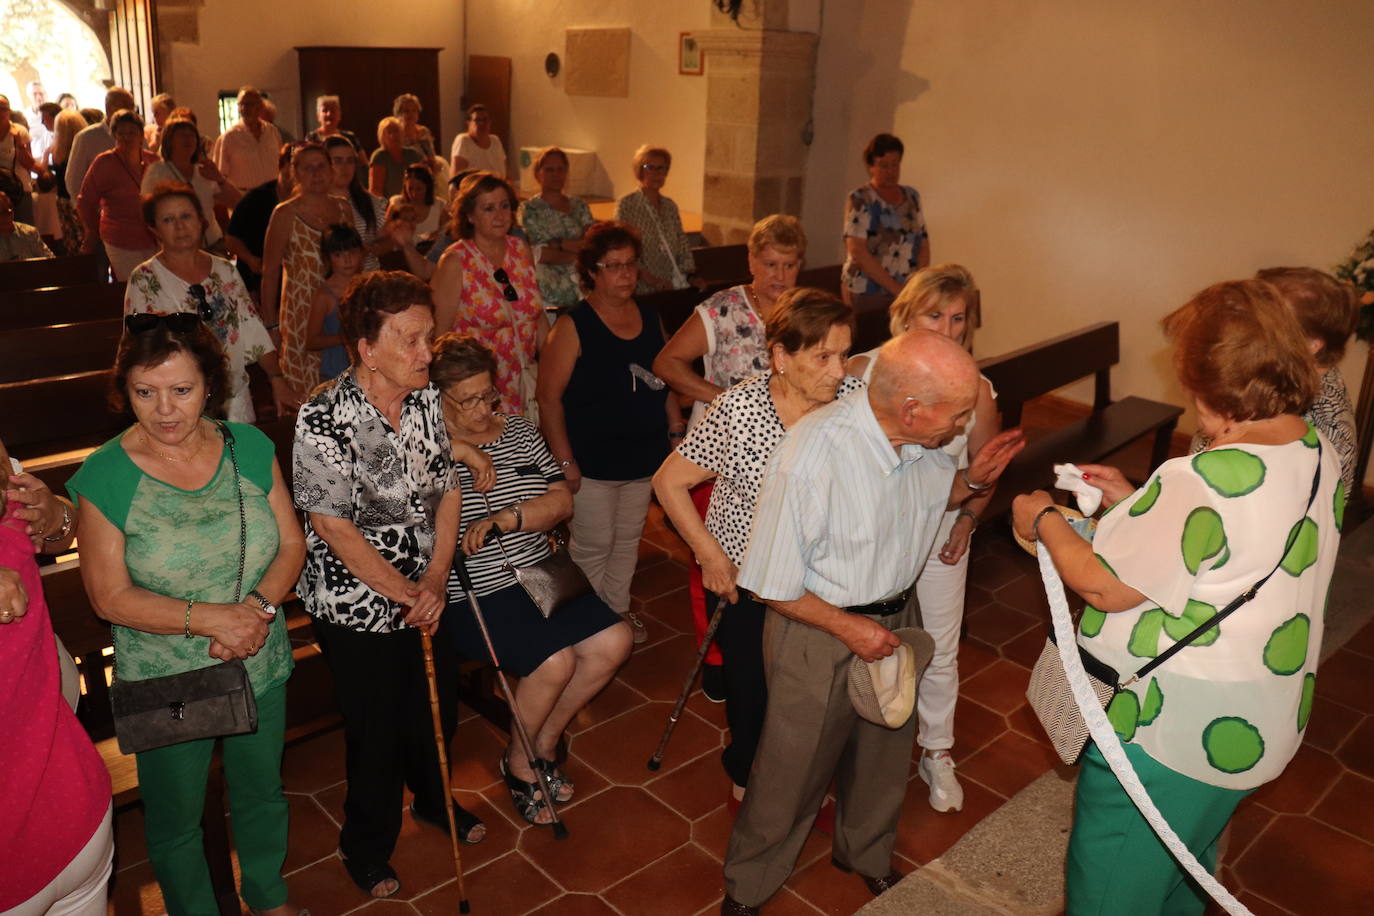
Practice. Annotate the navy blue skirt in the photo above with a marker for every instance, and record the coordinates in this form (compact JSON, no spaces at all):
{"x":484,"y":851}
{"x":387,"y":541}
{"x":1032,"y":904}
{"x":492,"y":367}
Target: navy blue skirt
{"x":523,"y":637}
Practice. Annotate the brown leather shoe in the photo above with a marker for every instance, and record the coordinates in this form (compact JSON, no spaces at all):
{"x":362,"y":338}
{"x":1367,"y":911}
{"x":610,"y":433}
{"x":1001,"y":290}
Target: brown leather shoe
{"x":876,"y":886}
{"x":732,"y":907}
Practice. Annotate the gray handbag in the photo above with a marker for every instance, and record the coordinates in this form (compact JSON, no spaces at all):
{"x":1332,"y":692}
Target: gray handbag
{"x":205,"y":703}
{"x":552,"y":582}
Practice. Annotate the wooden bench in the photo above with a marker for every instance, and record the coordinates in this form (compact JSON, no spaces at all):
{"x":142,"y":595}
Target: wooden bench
{"x":59,"y":414}
{"x":722,"y":265}
{"x":1028,"y":373}
{"x":27,"y":354}
{"x":36,"y":273}
{"x":38,"y":308}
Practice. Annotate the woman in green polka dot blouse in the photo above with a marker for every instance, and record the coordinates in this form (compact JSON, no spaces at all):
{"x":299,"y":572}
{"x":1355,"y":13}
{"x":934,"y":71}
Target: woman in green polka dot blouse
{"x":1227,"y":713}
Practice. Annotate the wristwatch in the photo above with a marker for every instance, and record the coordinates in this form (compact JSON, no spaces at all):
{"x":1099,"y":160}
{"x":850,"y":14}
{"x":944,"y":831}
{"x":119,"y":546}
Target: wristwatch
{"x":266,"y":605}
{"x":566,"y":463}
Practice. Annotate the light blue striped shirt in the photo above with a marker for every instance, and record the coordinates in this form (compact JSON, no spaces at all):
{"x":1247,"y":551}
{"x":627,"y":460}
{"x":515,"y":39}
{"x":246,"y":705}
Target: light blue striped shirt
{"x":841,"y":514}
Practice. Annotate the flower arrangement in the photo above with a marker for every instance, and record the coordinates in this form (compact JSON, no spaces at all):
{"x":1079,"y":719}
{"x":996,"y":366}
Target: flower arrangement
{"x":1358,"y":270}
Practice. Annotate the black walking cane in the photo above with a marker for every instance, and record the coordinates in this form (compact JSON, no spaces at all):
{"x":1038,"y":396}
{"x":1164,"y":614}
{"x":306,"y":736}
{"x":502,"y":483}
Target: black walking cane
{"x":560,"y":831}
{"x":428,"y":646}
{"x":656,"y":761}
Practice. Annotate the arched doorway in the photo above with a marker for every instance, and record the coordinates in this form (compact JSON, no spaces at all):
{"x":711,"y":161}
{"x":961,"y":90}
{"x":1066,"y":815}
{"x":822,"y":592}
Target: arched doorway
{"x":46,"y":41}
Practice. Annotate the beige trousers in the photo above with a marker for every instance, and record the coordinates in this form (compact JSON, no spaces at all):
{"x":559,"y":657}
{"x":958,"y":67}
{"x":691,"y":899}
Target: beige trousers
{"x":811,"y":734}
{"x":608,"y":518}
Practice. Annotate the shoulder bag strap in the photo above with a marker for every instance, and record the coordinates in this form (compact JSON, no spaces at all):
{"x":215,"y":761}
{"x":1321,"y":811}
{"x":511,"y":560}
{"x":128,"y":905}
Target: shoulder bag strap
{"x":243,"y":519}
{"x":1240,"y":599}
{"x":497,"y":528}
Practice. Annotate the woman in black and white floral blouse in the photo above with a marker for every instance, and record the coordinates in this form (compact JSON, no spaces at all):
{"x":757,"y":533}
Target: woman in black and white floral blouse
{"x":375,"y":475}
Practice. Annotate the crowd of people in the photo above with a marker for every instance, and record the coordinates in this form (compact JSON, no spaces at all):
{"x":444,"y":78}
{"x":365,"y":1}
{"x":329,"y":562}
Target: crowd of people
{"x":514,"y":380}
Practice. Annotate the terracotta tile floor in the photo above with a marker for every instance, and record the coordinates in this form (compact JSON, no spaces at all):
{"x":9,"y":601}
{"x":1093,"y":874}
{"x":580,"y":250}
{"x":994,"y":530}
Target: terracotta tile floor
{"x":651,"y":844}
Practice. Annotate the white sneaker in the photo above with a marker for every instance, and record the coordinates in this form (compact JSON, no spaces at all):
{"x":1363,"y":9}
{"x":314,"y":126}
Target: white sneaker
{"x":937,"y":771}
{"x":641,"y":633}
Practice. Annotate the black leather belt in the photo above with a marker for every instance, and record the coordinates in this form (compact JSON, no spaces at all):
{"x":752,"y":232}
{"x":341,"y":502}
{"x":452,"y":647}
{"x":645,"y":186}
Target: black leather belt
{"x":885,"y":608}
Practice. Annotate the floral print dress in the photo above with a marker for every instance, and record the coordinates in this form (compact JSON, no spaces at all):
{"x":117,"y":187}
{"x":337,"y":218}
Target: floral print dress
{"x":233,"y":317}
{"x":544,"y":224}
{"x":508,"y":328}
{"x":893,"y":234}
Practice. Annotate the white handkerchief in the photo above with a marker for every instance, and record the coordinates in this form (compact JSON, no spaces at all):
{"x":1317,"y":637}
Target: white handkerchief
{"x":1069,"y":477}
{"x":15,"y":466}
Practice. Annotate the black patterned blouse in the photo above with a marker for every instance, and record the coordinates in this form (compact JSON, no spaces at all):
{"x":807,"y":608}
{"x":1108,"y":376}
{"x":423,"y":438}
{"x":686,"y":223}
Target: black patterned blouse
{"x":350,"y":464}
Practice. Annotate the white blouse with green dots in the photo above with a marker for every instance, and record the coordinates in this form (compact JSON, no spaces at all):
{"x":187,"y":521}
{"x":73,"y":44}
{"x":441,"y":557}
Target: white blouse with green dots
{"x":1230,"y":709}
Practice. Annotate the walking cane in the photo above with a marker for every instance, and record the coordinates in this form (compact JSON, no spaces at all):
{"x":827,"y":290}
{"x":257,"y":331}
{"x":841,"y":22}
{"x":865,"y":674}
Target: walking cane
{"x":439,"y":744}
{"x":656,"y":761}
{"x":560,"y":831}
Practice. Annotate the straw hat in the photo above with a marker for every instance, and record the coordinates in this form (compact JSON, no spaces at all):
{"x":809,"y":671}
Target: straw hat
{"x":884,"y":692}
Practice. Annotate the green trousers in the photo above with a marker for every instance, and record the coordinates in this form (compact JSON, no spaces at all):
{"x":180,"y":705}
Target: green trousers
{"x":1117,"y":866}
{"x":172,"y":782}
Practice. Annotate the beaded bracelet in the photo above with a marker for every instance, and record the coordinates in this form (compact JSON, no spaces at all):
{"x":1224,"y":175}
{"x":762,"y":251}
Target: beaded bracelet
{"x":186,"y":631}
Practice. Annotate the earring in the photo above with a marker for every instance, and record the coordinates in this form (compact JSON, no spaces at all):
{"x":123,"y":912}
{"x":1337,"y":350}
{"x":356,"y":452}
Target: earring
{"x":780,"y":371}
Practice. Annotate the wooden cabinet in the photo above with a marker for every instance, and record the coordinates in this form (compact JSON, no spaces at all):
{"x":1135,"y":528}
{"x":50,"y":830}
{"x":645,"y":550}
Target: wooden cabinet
{"x":367,"y":81}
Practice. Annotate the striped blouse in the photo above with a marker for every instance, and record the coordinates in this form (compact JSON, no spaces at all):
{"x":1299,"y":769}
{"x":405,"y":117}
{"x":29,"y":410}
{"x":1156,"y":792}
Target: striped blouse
{"x":524,"y":469}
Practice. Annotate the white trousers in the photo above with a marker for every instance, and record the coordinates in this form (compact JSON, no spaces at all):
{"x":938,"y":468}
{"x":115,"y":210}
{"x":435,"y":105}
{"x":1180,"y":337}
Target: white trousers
{"x":124,"y":260}
{"x":608,"y":518}
{"x":80,"y":888}
{"x":940,"y":590}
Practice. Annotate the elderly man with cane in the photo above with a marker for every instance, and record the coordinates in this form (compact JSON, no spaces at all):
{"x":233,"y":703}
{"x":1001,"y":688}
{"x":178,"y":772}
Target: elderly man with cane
{"x":849,"y":507}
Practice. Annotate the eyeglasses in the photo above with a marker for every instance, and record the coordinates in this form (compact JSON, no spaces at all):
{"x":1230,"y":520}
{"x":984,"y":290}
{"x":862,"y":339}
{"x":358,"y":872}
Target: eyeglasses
{"x":490,"y":396}
{"x":176,"y":322}
{"x":618,"y":267}
{"x":661,"y":169}
{"x":500,"y":276}
{"x":203,"y":307}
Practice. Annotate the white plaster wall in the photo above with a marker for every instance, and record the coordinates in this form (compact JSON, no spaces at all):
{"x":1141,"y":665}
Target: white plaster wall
{"x":663,"y":107}
{"x":1093,"y":161}
{"x":254,"y":41}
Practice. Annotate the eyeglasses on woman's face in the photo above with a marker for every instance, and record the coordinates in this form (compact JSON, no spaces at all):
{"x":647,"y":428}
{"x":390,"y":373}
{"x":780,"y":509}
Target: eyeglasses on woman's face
{"x":489,"y":397}
{"x":658,"y":168}
{"x":617,"y":267}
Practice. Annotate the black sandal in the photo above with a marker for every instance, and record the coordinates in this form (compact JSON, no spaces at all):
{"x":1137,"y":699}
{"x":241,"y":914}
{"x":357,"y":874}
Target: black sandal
{"x":525,"y":796}
{"x":558,"y":780}
{"x":371,"y":877}
{"x":466,"y":822}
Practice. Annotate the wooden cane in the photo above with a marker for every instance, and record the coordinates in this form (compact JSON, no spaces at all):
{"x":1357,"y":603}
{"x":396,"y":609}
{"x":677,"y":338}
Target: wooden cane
{"x":427,"y":644}
{"x":656,"y":761}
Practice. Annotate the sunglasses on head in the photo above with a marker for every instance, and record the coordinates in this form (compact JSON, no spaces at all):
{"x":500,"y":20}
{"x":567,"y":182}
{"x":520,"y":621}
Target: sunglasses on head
{"x":500,"y":276}
{"x":176,"y":322}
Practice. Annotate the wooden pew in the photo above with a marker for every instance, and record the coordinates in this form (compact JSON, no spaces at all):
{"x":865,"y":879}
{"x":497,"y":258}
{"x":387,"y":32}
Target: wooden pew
{"x":36,"y":273}
{"x":722,"y":265}
{"x":1027,"y":373}
{"x":58,"y":414}
{"x":27,"y":354}
{"x":38,"y":308}
{"x":674,"y":306}
{"x":826,"y":278}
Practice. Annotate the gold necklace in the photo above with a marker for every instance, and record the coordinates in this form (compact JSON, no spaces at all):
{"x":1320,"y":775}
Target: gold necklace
{"x":200,"y":442}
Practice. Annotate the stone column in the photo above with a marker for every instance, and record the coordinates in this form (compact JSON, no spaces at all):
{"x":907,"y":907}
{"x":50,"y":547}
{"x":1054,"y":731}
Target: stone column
{"x":758,"y":114}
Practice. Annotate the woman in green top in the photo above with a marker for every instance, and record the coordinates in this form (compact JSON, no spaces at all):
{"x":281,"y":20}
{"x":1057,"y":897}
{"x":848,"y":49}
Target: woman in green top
{"x":160,"y":557}
{"x":1226,"y":714}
